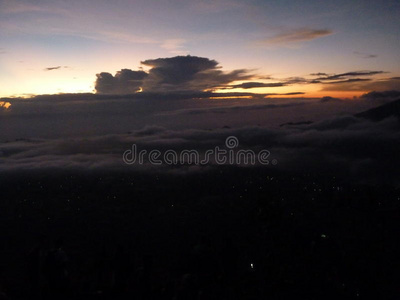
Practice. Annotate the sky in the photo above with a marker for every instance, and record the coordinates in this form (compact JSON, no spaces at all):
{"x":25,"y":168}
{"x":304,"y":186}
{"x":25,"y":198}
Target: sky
{"x":336,"y":48}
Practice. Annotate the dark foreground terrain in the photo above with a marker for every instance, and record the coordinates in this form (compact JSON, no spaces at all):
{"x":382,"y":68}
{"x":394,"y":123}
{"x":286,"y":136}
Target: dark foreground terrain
{"x":233,"y":233}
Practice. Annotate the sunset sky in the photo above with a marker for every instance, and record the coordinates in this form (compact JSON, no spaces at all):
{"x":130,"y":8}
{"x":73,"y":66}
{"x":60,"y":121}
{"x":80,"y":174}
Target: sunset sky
{"x":350,"y":47}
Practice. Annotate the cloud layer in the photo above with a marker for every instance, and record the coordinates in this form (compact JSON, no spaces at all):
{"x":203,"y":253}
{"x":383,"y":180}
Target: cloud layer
{"x":352,"y":147}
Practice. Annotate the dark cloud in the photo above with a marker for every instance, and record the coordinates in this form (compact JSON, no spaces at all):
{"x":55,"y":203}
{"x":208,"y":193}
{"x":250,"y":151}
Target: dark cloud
{"x":284,"y":94}
{"x":188,"y":73}
{"x":296,"y":80}
{"x":293,"y":37}
{"x":329,"y":99}
{"x":179,"y":69}
{"x":296,"y":123}
{"x":346,"y":81}
{"x":348,"y":74}
{"x":319,"y":74}
{"x":387,"y":110}
{"x":381,"y":97}
{"x":251,"y":85}
{"x":124,"y":82}
{"x":52,"y":68}
{"x":166,"y":75}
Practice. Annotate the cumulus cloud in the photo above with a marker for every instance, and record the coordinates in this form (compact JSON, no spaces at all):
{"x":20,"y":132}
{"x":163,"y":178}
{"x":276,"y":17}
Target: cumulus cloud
{"x":179,"y":69}
{"x":188,"y":73}
{"x":124,"y":82}
{"x":175,"y":74}
{"x":295,"y":37}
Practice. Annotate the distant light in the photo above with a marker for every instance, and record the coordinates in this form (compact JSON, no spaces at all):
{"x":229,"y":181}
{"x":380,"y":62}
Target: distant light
{"x":4,"y":104}
{"x":252,"y":266}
